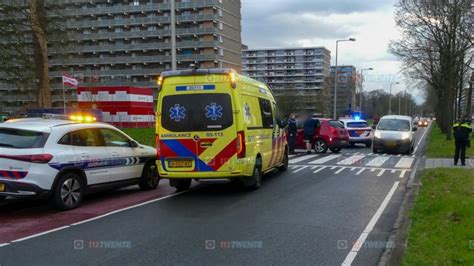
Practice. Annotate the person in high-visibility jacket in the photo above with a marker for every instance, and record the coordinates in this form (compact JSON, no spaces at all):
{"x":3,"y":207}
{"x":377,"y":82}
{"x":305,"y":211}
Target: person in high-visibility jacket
{"x":461,"y":129}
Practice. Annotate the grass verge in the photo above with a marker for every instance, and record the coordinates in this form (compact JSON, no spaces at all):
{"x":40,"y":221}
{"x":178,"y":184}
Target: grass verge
{"x":145,"y":136}
{"x":439,"y":147}
{"x":442,"y":231}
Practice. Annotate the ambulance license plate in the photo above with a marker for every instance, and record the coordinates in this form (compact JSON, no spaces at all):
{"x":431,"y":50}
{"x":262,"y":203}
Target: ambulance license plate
{"x":2,"y":187}
{"x":180,"y":163}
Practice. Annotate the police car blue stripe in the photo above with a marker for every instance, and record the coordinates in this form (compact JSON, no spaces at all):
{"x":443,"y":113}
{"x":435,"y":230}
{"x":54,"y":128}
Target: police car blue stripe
{"x":103,"y":163}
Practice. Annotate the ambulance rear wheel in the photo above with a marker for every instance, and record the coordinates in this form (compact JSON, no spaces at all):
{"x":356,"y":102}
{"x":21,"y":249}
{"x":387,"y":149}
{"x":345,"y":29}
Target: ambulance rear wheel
{"x":181,"y":184}
{"x":257,"y":178}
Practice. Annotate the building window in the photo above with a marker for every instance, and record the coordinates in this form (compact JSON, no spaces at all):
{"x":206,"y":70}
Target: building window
{"x":221,"y":52}
{"x":221,"y":26}
{"x":219,"y":11}
{"x":221,"y":39}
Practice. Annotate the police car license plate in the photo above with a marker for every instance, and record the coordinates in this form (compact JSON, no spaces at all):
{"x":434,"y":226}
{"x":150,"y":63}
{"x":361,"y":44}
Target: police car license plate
{"x":2,"y":187}
{"x":180,"y":163}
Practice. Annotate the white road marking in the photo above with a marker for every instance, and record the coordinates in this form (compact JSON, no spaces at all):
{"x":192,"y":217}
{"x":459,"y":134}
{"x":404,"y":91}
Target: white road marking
{"x":370,"y":153}
{"x":402,"y":173}
{"x":381,"y":172}
{"x":340,"y":170}
{"x":302,"y":158}
{"x":40,"y":234}
{"x":404,"y":163}
{"x":377,"y":161}
{"x":95,"y":218}
{"x":353,"y":168}
{"x":325,"y":159}
{"x":299,"y":169}
{"x":360,"y":241}
{"x":360,"y":171}
{"x":422,"y":136}
{"x":393,"y":171}
{"x":320,"y":169}
{"x":314,"y":167}
{"x":293,"y":166}
{"x":291,"y":155}
{"x":372,"y":170}
{"x":334,"y":167}
{"x":351,"y":160}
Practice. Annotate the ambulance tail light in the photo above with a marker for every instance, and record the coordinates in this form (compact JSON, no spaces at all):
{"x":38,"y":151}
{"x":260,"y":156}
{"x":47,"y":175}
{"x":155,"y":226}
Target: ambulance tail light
{"x":158,"y":146}
{"x":240,"y":145}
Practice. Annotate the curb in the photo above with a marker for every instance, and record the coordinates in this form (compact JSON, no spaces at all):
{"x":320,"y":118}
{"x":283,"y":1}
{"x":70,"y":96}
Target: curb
{"x":401,"y":226}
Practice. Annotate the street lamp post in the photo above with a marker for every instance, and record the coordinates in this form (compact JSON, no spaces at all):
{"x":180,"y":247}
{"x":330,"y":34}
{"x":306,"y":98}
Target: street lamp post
{"x":362,"y":86}
{"x":390,"y":98}
{"x":335,"y":74}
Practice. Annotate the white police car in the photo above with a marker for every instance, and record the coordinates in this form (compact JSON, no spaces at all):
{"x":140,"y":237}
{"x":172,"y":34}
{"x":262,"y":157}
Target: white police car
{"x":63,"y":160}
{"x":359,"y":131}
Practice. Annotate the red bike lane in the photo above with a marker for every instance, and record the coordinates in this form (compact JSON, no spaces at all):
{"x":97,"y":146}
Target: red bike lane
{"x":23,"y":218}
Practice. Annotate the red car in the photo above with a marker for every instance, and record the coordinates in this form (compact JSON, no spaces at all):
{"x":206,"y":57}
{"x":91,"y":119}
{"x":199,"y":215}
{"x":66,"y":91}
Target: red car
{"x":329,"y":135}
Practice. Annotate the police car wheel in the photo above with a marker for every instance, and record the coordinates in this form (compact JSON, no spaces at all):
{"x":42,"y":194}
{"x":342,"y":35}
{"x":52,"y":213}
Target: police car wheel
{"x":69,"y":192}
{"x":150,"y":177}
{"x":320,"y":146}
{"x":182,"y":184}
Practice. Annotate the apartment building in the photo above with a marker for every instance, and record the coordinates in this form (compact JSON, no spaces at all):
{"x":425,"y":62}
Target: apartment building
{"x":298,"y":75}
{"x":346,"y":88}
{"x":129,"y":43}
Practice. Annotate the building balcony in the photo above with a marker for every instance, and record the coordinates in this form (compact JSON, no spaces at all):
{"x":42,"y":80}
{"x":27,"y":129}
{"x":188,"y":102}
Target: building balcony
{"x":130,"y":9}
{"x":133,"y":47}
{"x":140,"y":34}
{"x":129,"y":60}
{"x":119,"y":22}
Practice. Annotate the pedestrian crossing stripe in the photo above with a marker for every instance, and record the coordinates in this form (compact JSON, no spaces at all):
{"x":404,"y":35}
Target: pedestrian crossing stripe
{"x":339,"y":169}
{"x":355,"y":160}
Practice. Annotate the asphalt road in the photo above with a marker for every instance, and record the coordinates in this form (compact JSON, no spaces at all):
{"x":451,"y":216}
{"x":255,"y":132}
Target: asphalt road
{"x":323,"y":207}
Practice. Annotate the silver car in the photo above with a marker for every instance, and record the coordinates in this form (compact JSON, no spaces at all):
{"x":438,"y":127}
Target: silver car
{"x":394,"y":133}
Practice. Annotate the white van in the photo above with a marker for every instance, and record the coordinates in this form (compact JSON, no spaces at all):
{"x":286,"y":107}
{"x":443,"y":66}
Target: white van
{"x":394,"y":133}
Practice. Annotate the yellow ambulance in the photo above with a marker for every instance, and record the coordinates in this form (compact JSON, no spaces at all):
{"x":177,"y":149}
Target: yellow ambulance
{"x":216,"y":125}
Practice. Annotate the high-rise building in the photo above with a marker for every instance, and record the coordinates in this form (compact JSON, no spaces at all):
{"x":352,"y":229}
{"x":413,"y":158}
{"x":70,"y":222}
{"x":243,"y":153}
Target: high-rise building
{"x":297,"y":75}
{"x":129,"y":43}
{"x":346,"y":88}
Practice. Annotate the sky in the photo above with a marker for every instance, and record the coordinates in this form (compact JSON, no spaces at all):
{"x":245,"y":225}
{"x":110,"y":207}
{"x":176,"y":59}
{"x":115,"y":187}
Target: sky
{"x":306,"y":23}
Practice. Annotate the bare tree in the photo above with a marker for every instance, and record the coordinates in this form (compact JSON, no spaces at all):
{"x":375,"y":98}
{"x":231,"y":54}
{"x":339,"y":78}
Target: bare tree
{"x":28,"y":29}
{"x":435,"y":40}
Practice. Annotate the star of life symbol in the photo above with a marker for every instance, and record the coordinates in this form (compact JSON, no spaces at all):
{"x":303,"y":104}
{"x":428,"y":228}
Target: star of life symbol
{"x":247,"y":111}
{"x":177,"y":112}
{"x":213,"y":111}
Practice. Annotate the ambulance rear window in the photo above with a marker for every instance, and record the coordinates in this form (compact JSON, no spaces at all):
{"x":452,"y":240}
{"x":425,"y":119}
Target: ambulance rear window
{"x":196,"y":112}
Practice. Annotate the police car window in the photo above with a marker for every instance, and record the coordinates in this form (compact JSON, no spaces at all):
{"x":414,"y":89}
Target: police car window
{"x":82,"y":138}
{"x":196,"y":112}
{"x":360,"y":124}
{"x":21,"y":139}
{"x":266,"y":112}
{"x":114,"y":138}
